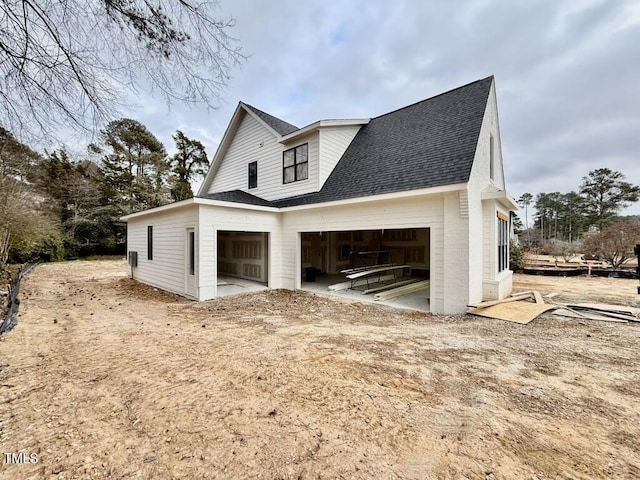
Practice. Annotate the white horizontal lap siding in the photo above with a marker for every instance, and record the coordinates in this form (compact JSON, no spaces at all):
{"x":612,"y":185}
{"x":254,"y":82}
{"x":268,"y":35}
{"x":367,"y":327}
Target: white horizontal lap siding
{"x":419,"y":212}
{"x":216,"y":218}
{"x":253,"y":142}
{"x":333,"y":143}
{"x":167,"y":269}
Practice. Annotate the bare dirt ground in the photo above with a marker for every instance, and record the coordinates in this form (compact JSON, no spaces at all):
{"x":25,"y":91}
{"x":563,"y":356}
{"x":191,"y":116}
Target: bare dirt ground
{"x":106,"y":378}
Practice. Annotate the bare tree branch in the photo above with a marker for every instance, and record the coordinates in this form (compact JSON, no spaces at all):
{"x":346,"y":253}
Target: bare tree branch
{"x":73,"y":64}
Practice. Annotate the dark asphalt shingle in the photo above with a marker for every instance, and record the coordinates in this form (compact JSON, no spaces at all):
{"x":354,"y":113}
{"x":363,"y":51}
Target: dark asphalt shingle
{"x":280,"y":126}
{"x":238,"y":196}
{"x":427,"y":144}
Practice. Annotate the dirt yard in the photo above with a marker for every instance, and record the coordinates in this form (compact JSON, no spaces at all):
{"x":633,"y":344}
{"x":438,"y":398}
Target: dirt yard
{"x":106,"y":378}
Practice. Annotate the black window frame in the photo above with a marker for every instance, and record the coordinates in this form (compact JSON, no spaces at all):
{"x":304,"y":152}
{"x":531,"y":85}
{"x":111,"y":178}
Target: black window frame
{"x":296,"y":163}
{"x":503,"y":244}
{"x":192,"y":252}
{"x":253,"y":176}
{"x":149,"y":242}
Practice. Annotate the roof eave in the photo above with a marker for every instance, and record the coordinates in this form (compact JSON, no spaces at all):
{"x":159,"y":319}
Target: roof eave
{"x":323,"y":124}
{"x":385,"y":196}
{"x":502,"y":197}
{"x":172,"y":206}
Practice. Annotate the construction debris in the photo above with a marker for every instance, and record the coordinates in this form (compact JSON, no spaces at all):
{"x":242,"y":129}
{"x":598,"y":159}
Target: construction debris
{"x":513,"y":298}
{"x":356,"y":283}
{"x":404,"y":290}
{"x":567,"y":312}
{"x":600,"y":311}
{"x":513,"y":311}
{"x":517,"y":309}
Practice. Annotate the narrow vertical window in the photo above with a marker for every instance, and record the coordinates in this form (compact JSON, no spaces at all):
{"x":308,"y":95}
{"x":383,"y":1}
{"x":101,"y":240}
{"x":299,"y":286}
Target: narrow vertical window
{"x":492,"y":164}
{"x":295,"y":164}
{"x":192,"y":253}
{"x":149,"y":242}
{"x":503,"y":243}
{"x":253,"y":174}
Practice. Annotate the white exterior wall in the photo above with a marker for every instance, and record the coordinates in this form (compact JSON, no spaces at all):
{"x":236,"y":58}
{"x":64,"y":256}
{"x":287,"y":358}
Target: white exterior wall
{"x":167,"y":270}
{"x":440,"y":213}
{"x":254,"y":142}
{"x":333,"y":142}
{"x":214,"y":218}
{"x":486,"y":283}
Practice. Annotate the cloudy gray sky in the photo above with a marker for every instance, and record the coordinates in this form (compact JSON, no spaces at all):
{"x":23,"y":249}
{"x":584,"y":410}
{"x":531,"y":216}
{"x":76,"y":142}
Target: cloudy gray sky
{"x":567,"y":74}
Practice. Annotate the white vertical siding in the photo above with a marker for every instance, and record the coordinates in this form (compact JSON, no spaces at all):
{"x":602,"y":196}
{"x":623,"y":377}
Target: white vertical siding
{"x":333,"y":143}
{"x":254,"y":142}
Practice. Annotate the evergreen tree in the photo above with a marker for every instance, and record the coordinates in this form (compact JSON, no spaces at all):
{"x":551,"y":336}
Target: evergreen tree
{"x":134,"y":168}
{"x":605,"y":193}
{"x":189,"y":163}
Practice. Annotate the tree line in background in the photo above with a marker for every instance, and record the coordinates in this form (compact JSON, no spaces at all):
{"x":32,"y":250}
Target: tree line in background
{"x":586,"y":222}
{"x":55,"y":207}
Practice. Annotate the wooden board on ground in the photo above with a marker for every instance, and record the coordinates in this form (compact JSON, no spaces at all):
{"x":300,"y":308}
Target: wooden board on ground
{"x":514,"y":298}
{"x":405,"y":290}
{"x":538,"y":297}
{"x":390,"y":286}
{"x":516,"y":311}
{"x":563,"y":312}
{"x":346,"y":285}
{"x":610,"y":308}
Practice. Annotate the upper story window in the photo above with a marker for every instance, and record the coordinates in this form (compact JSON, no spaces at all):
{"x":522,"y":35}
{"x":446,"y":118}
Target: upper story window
{"x":253,"y":174}
{"x":492,"y":161}
{"x":295,"y":164}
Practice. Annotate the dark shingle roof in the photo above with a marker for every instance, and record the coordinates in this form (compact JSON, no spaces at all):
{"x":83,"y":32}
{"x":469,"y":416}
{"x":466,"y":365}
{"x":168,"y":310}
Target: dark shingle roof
{"x":427,"y":144}
{"x":238,"y":196}
{"x":280,"y":126}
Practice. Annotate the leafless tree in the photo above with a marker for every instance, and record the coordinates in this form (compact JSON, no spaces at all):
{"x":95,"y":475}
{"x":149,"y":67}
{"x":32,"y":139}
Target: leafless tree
{"x":73,"y":63}
{"x":615,"y":243}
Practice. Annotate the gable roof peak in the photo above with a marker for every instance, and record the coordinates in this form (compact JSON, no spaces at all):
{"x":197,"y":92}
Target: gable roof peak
{"x":280,"y":126}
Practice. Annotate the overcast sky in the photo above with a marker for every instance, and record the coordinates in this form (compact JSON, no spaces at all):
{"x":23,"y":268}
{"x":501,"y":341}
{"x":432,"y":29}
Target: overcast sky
{"x":567,"y":74}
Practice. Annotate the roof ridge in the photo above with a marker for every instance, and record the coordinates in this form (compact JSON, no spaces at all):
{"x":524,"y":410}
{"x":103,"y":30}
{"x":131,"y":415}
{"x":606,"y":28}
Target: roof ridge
{"x":435,"y":96}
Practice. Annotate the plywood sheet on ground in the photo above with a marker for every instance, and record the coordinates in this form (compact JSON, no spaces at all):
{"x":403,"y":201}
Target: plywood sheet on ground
{"x":518,"y":312}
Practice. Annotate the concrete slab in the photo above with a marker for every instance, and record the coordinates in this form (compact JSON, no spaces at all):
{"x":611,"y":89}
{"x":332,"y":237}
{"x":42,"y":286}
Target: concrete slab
{"x":233,"y":286}
{"x":415,"y":301}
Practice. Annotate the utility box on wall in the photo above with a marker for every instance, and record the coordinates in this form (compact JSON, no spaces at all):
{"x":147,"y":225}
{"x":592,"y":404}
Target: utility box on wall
{"x":133,"y":259}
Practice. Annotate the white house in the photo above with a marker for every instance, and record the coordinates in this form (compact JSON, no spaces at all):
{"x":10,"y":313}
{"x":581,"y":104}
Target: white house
{"x":426,"y":180}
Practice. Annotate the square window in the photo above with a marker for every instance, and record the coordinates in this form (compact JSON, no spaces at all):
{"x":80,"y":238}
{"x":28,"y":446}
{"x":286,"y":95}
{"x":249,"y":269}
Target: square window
{"x":295,"y":164}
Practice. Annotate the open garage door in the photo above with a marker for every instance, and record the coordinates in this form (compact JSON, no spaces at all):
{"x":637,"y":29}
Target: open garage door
{"x":370,"y":262}
{"x":243,"y":255}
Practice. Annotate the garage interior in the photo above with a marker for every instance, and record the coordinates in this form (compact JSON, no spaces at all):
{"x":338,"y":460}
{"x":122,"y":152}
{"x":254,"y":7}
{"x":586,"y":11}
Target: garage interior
{"x":386,"y":266}
{"x":243,"y":261}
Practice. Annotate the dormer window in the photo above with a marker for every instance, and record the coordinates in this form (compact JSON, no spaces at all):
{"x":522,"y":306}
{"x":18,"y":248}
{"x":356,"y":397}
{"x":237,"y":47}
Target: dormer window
{"x":295,"y":164}
{"x":253,"y":174}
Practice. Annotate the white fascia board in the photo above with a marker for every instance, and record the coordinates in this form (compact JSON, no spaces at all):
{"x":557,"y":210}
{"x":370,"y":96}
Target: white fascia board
{"x":220,"y":151}
{"x":322,"y":124}
{"x":163,"y":208}
{"x":502,"y":197}
{"x":241,"y":206}
{"x":386,"y":196}
{"x":266,"y":125}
